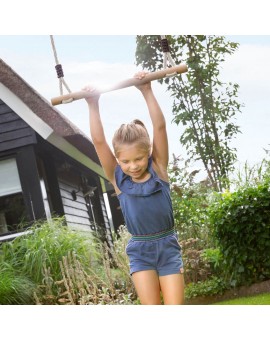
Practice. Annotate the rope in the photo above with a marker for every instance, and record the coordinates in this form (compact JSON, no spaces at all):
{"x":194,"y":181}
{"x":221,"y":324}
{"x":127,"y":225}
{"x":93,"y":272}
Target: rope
{"x":166,"y":52}
{"x":59,"y":69}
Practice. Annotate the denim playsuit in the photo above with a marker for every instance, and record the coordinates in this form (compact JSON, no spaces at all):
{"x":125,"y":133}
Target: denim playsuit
{"x":148,"y":214}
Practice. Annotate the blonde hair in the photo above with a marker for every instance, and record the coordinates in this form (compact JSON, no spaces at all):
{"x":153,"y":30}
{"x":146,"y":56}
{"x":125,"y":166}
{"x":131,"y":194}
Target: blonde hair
{"x":134,"y":132}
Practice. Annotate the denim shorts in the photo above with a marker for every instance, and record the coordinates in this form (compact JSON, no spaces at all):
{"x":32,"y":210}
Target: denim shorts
{"x":163,"y":255}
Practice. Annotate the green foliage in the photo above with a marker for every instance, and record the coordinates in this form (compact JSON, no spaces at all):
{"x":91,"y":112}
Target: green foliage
{"x":223,"y":235}
{"x":190,"y":216}
{"x":52,"y":264}
{"x":15,"y":289}
{"x":120,"y":258}
{"x":250,"y":176}
{"x":214,"y":258}
{"x":196,"y":266}
{"x":202,"y":103}
{"x":107,"y":282}
{"x":80,"y":287}
{"x":210,"y":287}
{"x":44,"y":246}
{"x":241,"y":225}
{"x":189,"y":201}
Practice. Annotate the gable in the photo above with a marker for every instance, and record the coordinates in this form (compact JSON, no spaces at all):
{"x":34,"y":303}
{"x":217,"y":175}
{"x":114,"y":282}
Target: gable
{"x":45,"y":120}
{"x":14,"y":132}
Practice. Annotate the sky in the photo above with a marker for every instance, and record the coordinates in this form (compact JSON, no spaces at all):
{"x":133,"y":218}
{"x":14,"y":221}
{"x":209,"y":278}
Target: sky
{"x":106,"y":59}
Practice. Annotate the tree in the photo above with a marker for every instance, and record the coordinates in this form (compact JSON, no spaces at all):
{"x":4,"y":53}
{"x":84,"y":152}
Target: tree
{"x":204,"y":105}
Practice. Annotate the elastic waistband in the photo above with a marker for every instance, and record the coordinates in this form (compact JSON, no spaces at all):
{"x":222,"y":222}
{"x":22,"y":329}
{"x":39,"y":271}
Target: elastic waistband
{"x":155,"y":236}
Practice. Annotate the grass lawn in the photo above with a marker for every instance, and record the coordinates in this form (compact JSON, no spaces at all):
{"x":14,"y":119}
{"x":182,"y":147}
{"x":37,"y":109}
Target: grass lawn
{"x":260,"y":299}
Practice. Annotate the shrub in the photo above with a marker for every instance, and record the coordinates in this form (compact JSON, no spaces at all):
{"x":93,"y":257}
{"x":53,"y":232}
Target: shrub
{"x":196,"y":267}
{"x":190,"y":202}
{"x":191,"y":220}
{"x":214,"y":258}
{"x":241,"y":225}
{"x":210,"y":287}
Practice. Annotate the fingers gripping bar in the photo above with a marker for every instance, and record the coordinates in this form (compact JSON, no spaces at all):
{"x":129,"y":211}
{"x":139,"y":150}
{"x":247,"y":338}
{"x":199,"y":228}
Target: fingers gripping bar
{"x":67,"y":98}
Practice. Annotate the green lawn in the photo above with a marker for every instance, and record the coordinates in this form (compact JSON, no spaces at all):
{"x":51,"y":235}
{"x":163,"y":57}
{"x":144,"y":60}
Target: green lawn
{"x":260,"y":299}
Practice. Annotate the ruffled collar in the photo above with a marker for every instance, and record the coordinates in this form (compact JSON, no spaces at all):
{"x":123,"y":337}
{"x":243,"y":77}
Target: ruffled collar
{"x":128,"y":186}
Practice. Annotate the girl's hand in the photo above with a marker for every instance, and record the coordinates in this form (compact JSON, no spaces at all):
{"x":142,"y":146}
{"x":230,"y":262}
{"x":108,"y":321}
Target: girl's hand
{"x":92,"y":95}
{"x":142,"y":87}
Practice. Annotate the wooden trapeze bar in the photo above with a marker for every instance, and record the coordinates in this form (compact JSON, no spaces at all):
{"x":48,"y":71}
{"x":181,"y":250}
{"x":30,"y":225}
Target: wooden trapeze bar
{"x":70,"y":97}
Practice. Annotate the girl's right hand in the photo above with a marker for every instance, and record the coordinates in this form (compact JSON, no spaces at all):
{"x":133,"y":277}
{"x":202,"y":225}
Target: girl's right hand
{"x":143,"y":87}
{"x":92,"y":95}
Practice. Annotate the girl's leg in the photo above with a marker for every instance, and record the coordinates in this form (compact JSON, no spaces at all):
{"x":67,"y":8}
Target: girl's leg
{"x":147,"y":287}
{"x":172,"y":288}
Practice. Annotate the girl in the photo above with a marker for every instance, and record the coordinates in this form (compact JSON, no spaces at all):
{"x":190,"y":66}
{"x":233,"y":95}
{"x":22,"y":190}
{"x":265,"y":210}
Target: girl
{"x":140,"y":179}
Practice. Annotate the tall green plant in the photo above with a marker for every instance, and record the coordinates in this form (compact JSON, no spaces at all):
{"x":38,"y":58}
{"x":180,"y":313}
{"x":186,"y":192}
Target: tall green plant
{"x":251,"y":175}
{"x":202,"y":103}
{"x":15,"y":288}
{"x":43,"y":247}
{"x":107,"y":282}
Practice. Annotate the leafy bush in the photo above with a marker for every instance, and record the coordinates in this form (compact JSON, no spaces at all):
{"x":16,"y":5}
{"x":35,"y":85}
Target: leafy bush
{"x":196,"y":267}
{"x":241,"y":225}
{"x":214,"y":258}
{"x":210,"y":287}
{"x":190,"y":202}
{"x":191,"y":220}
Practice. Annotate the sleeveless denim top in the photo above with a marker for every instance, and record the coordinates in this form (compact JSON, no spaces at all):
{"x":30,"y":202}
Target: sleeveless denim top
{"x":146,"y":206}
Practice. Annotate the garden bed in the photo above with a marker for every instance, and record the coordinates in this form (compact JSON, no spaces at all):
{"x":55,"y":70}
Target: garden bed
{"x":256,"y":288}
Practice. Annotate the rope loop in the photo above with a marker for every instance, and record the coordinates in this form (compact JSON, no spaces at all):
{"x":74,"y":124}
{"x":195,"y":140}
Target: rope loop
{"x":167,"y":58}
{"x":165,"y":45}
{"x":59,"y":71}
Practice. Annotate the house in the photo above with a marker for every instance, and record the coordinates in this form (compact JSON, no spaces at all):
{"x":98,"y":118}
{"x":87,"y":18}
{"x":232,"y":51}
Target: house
{"x":48,"y":166}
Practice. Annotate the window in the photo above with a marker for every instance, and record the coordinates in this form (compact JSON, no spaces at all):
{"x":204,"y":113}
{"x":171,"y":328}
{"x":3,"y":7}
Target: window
{"x":12,"y":207}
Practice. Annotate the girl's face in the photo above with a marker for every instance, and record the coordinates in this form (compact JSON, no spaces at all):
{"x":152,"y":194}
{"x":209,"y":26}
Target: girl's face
{"x":133,"y":161}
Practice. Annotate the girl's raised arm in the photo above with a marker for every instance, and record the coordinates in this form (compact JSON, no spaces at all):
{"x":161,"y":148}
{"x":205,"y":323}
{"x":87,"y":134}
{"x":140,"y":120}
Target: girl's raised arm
{"x":105,"y":154}
{"x":160,"y":153}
